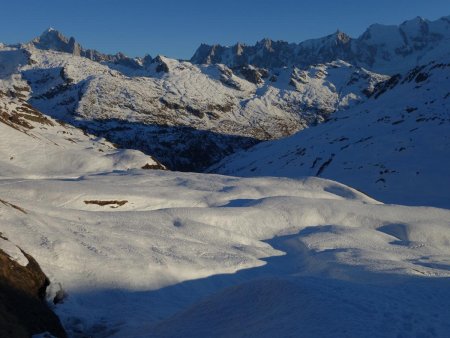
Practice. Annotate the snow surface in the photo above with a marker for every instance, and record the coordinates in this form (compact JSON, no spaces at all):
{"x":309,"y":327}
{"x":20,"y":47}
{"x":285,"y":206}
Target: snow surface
{"x":195,"y":255}
{"x":13,"y":251}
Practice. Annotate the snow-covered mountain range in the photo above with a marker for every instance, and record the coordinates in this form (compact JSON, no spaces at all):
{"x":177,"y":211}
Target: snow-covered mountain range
{"x":385,"y":49}
{"x":188,"y":116}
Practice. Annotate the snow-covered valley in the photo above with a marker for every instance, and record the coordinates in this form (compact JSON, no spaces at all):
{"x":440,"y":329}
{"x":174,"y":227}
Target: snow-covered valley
{"x":334,"y":218}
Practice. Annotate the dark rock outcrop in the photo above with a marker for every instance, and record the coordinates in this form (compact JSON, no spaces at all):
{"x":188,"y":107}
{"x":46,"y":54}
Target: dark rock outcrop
{"x":162,"y":66}
{"x":23,"y":310}
{"x":252,"y":74}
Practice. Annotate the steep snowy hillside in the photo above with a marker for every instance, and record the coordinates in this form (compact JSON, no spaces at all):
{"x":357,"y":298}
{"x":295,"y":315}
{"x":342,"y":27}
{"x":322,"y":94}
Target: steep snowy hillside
{"x":394,"y":147}
{"x":163,"y":254}
{"x":185,"y":115}
{"x":32,"y":144}
{"x":381,"y":48}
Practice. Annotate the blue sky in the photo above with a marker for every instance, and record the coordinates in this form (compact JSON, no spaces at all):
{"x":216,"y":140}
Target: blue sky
{"x":175,"y":28}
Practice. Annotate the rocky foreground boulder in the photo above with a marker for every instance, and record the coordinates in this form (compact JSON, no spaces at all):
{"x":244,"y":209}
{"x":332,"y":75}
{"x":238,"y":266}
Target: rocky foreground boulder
{"x":23,"y":310}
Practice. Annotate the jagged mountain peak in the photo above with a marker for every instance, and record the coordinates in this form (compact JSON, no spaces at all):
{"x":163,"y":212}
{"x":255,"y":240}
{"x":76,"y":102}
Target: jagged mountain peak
{"x":162,"y":63}
{"x":51,"y":35}
{"x":341,"y":36}
{"x":52,"y":31}
{"x":52,"y":39}
{"x":266,"y":43}
{"x":333,"y":40}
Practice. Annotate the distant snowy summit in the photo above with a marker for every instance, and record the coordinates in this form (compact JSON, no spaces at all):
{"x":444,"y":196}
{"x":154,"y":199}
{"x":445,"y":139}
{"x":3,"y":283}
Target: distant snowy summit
{"x":381,"y":48}
{"x":51,"y":39}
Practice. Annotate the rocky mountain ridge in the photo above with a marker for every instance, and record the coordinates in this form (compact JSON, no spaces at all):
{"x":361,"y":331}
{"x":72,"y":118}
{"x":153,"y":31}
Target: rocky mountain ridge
{"x":386,"y":49}
{"x":51,"y":39}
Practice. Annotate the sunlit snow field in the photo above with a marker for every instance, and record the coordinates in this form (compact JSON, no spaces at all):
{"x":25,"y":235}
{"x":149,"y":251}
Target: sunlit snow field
{"x":208,"y":255}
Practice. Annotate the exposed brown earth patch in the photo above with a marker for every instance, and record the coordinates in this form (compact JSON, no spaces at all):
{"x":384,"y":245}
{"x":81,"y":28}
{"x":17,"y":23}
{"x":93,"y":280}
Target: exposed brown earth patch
{"x":153,"y":166}
{"x":22,"y":116}
{"x":113,"y":204}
